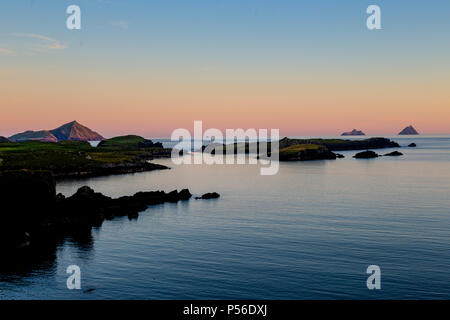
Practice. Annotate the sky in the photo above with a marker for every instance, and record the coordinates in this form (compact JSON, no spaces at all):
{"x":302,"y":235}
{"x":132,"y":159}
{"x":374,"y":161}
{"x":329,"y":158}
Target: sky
{"x":308,"y":68}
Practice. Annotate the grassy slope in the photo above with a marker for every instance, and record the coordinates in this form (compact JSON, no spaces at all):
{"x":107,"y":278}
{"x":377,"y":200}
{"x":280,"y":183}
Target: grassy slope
{"x":127,"y":142}
{"x":63,"y":156}
{"x":294,"y":149}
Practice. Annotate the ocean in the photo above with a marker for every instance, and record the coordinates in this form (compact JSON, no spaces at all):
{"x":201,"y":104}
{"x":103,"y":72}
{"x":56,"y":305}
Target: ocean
{"x":308,"y":232}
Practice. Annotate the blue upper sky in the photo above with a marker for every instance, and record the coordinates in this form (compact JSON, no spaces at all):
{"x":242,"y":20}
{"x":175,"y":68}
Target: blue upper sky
{"x":234,"y":32}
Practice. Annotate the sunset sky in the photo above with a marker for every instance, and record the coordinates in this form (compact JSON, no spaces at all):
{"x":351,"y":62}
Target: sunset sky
{"x":149,"y":67}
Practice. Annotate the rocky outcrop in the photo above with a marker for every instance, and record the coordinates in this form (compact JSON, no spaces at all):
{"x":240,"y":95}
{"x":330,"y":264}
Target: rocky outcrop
{"x":32,"y":212}
{"x":150,"y":144}
{"x":393,"y":154}
{"x":408,"y":131}
{"x":412,"y":145}
{"x":366,"y":155}
{"x":354,"y":132}
{"x":209,"y":195}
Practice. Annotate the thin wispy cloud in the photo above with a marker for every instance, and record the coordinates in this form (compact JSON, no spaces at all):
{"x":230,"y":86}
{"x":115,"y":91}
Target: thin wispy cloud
{"x":7,"y":52}
{"x":45,"y":43}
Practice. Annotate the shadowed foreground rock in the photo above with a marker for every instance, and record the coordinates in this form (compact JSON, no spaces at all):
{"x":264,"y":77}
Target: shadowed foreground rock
{"x":366,"y":155}
{"x":393,"y":154}
{"x":31,"y":210}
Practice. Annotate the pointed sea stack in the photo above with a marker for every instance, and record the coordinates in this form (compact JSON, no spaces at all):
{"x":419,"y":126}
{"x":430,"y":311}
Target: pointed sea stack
{"x":408,"y":131}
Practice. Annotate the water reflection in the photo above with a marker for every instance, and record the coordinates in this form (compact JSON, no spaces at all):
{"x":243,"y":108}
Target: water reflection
{"x":40,"y":259}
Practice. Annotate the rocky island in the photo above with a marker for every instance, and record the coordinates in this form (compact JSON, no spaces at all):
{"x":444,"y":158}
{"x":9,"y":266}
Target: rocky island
{"x":409,"y":131}
{"x":366,"y":155}
{"x":354,"y":132}
{"x":308,"y":149}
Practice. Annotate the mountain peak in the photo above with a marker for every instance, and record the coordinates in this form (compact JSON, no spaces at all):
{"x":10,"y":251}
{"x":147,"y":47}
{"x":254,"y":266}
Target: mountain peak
{"x":69,"y":131}
{"x":75,"y":131}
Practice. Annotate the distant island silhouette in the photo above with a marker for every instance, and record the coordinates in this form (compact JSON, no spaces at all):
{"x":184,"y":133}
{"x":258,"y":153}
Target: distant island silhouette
{"x":354,"y":132}
{"x":409,"y":130}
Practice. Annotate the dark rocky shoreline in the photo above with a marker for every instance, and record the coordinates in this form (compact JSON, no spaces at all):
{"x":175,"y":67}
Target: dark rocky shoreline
{"x":33,"y":213}
{"x":109,"y":169}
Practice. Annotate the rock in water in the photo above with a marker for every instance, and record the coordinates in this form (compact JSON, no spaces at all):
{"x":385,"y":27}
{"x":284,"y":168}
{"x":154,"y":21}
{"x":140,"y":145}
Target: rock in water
{"x":366,"y":155}
{"x":412,"y":145}
{"x":354,"y":132}
{"x":393,"y":154}
{"x":184,"y":194}
{"x":408,"y":131}
{"x":210,"y":195}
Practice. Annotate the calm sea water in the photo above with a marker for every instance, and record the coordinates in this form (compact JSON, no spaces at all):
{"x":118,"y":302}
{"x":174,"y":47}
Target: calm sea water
{"x":308,"y":232}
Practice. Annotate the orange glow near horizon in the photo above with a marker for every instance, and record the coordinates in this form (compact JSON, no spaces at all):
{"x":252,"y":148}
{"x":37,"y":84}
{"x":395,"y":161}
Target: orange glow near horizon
{"x":151,"y":108}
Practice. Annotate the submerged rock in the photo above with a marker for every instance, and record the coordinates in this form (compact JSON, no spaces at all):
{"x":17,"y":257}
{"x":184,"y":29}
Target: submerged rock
{"x":366,"y":155}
